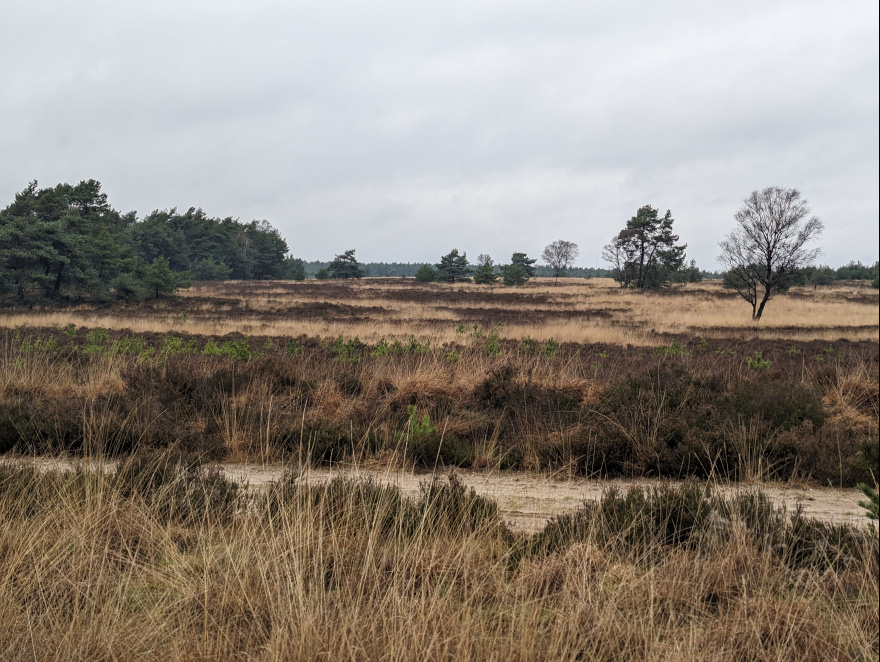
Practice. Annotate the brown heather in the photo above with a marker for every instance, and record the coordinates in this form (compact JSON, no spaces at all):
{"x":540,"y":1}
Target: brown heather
{"x":585,"y":311}
{"x":164,"y":559}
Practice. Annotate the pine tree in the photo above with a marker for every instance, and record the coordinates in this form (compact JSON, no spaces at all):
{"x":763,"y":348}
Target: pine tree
{"x":514,"y":274}
{"x":453,"y":267}
{"x":345,"y":266}
{"x":161,"y":281}
{"x":644,"y":254}
{"x":484,"y":273}
{"x":525,"y":263}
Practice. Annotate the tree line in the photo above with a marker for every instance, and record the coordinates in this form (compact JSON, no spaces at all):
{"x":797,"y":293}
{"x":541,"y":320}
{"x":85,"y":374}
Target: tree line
{"x":409,"y":269}
{"x":66,"y":243}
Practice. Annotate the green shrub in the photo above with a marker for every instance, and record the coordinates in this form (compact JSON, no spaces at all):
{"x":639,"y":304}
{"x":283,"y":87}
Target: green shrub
{"x":95,"y":341}
{"x":131,"y":345}
{"x":673,"y":349}
{"x":758,"y":362}
{"x":384,"y":348}
{"x":293,"y":347}
{"x":347,"y":351}
{"x":418,"y":348}
{"x":871,"y":505}
{"x":240,"y":350}
{"x":528,"y":345}
{"x":426,"y":274}
{"x":425,"y":443}
{"x":416,"y":428}
{"x":174,"y":345}
{"x":492,"y":347}
{"x":40,"y":345}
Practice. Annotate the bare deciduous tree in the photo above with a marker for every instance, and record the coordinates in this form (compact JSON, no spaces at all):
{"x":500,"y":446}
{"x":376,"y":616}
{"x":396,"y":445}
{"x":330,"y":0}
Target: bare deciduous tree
{"x":768,"y":245}
{"x":559,"y":256}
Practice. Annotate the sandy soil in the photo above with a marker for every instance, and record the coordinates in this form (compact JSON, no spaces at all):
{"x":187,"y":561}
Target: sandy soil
{"x":526,"y":500}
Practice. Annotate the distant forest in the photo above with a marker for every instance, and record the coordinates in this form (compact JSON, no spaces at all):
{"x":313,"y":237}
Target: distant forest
{"x":409,"y":269}
{"x":67,"y":243}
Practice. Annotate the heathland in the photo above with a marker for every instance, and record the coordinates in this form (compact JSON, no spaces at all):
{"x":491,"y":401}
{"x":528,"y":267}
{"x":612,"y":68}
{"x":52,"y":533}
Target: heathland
{"x":164,"y":558}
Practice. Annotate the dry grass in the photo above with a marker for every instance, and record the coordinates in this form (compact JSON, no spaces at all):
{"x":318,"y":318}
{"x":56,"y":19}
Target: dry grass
{"x":102,"y":567}
{"x":584,"y":311}
{"x":166,"y":561}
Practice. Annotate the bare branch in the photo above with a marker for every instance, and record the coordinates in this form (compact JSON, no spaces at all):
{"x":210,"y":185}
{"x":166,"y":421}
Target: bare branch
{"x":768,"y":244}
{"x":560,"y":255}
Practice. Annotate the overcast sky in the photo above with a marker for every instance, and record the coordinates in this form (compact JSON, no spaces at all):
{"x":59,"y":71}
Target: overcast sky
{"x":403,"y":129}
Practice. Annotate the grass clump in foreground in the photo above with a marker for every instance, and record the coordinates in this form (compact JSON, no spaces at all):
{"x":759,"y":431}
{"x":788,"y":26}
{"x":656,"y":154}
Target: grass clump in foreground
{"x":164,"y":559}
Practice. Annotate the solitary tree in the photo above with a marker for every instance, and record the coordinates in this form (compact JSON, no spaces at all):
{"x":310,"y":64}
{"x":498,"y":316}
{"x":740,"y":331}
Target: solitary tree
{"x":525,"y":263}
{"x":453,"y":267}
{"x":485,"y":270}
{"x":559,"y":256}
{"x":644,"y":254}
{"x":345,"y":266}
{"x":768,"y":245}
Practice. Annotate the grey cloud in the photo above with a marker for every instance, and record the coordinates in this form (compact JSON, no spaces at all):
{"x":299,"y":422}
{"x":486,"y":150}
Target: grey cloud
{"x":403,"y":129}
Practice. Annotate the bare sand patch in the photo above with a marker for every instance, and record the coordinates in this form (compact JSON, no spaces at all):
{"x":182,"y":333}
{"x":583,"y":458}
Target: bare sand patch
{"x":528,"y":501}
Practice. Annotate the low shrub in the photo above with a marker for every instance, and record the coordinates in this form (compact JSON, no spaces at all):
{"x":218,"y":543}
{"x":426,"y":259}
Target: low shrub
{"x":177,"y":488}
{"x":584,"y":410}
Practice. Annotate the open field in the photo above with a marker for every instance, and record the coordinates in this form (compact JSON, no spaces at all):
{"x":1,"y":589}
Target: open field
{"x":541,"y":398}
{"x":577,"y":310}
{"x":493,"y":384}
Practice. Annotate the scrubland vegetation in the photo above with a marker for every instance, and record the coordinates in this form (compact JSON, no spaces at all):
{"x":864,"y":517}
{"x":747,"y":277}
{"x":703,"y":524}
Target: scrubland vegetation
{"x":487,"y":382}
{"x":163,"y":558}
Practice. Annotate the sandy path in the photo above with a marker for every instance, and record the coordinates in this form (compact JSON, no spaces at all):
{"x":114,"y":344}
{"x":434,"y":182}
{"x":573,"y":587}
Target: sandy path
{"x":526,"y":500}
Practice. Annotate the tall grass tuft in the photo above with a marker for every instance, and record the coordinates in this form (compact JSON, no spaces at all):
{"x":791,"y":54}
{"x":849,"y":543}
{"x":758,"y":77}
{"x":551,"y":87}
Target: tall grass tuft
{"x":161,"y":560}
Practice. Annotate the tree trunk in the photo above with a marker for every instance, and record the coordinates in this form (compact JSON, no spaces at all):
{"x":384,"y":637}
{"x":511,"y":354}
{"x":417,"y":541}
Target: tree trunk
{"x":757,"y":315}
{"x":58,"y":276}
